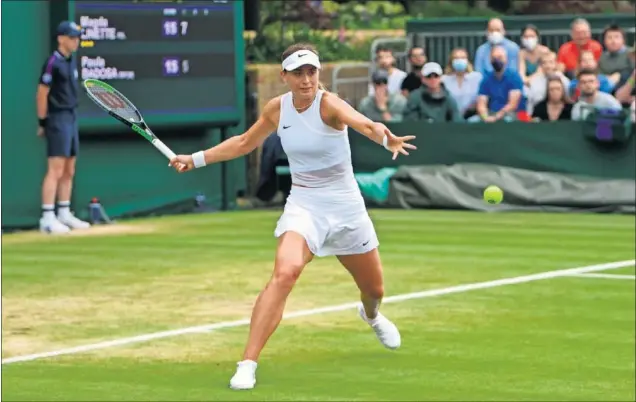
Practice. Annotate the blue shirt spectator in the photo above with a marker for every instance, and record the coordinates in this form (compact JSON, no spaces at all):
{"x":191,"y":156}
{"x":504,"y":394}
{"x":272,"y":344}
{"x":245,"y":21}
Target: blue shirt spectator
{"x":497,"y":89}
{"x":496,"y":37}
{"x":605,"y":85}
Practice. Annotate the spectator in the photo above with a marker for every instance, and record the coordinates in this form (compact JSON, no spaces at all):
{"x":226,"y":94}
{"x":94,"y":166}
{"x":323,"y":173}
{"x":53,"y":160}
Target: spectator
{"x":496,"y":37}
{"x":500,"y":92}
{"x":432,"y":102}
{"x":615,"y":58}
{"x":382,"y":105}
{"x":570,"y":52}
{"x":591,"y":97}
{"x":530,"y":53}
{"x":413,"y":80}
{"x":606,"y":84}
{"x":385,"y":61}
{"x":462,"y":82}
{"x":627,"y":73}
{"x":626,"y":94}
{"x":539,"y":82}
{"x":556,"y":106}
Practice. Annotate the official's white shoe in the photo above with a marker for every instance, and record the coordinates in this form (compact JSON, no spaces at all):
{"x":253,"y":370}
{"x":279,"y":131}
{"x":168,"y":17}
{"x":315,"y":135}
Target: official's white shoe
{"x":245,"y":376}
{"x":384,"y":329}
{"x":53,"y":226}
{"x":72,"y":222}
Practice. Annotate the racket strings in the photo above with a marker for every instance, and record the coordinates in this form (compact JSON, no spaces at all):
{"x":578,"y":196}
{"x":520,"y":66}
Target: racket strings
{"x":115,"y":103}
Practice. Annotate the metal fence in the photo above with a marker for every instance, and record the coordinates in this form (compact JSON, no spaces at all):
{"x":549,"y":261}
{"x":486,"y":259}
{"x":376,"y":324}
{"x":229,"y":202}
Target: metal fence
{"x":438,"y":46}
{"x":351,"y":81}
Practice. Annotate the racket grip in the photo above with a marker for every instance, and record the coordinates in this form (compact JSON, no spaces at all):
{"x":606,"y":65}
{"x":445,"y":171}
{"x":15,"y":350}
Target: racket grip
{"x":164,"y":149}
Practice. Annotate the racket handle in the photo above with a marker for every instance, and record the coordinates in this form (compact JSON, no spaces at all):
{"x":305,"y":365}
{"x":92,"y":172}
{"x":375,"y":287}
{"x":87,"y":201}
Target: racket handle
{"x":164,"y":149}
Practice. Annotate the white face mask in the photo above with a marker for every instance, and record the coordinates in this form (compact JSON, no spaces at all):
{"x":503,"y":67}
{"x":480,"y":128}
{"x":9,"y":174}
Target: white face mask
{"x":529,"y":43}
{"x":495,"y":37}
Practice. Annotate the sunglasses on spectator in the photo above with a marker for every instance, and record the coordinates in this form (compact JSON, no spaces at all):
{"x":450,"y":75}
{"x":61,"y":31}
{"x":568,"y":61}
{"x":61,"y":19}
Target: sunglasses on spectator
{"x":432,"y":75}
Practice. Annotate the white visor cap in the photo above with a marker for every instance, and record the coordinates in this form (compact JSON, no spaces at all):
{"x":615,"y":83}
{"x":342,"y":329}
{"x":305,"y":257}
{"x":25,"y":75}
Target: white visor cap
{"x":301,"y":58}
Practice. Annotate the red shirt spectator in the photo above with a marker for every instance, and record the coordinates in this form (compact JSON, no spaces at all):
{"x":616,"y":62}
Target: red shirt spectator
{"x":570,"y":52}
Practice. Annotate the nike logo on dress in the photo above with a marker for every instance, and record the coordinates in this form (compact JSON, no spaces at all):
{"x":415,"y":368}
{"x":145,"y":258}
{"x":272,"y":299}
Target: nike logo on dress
{"x":284,"y":127}
{"x":365,"y":243}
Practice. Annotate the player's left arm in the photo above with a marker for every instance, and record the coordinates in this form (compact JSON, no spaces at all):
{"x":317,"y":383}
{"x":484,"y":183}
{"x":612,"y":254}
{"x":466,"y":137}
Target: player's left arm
{"x":340,"y":111}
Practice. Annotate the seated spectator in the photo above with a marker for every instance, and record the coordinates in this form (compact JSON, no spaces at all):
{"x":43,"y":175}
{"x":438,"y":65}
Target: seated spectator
{"x":539,"y":82}
{"x":626,"y":94}
{"x":500,"y":92}
{"x":496,"y":37}
{"x":606,"y":84}
{"x":432,"y":102}
{"x":556,"y":106}
{"x":615,"y":58}
{"x":382,"y":105}
{"x":385,"y":61}
{"x":530,"y":53}
{"x":570,"y":52}
{"x":462,"y":82}
{"x":413,"y":80}
{"x":627,"y":73}
{"x":591,"y":98}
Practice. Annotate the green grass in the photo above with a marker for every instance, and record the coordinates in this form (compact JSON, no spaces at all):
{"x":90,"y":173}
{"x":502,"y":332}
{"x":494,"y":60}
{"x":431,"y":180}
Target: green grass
{"x":567,"y":338}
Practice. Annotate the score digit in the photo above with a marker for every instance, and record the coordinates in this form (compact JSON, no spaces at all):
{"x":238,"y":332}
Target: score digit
{"x":184,"y":27}
{"x":170,"y":28}
{"x":185,"y":66}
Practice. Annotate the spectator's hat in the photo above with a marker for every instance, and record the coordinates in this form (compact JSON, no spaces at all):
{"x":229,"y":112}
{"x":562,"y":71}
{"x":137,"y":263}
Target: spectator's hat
{"x":380,"y":76}
{"x":69,"y":28}
{"x":432,"y":68}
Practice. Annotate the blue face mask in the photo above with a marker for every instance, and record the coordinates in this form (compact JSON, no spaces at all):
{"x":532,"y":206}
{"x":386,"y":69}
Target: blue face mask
{"x":460,"y":65}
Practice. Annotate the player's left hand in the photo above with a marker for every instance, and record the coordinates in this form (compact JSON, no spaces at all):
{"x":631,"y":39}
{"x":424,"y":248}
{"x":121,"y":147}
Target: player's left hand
{"x":182,"y":163}
{"x":398,"y":145}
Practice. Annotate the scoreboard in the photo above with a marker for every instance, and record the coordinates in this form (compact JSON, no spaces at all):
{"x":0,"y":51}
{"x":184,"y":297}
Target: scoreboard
{"x":180,"y":62}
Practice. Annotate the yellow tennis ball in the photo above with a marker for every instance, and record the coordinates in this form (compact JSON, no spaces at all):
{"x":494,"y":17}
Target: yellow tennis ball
{"x":493,"y":195}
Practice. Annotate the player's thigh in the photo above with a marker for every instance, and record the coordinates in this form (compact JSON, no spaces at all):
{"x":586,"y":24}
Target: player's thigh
{"x":366,"y":270}
{"x":292,"y":255}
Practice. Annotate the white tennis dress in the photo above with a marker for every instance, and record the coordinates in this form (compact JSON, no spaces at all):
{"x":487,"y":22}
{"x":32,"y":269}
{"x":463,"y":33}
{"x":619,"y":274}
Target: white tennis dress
{"x":328,"y":211}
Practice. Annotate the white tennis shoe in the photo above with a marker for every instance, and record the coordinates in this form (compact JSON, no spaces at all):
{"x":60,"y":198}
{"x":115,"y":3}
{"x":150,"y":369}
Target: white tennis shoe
{"x":53,"y":226}
{"x":245,"y":376}
{"x":73,"y":222}
{"x":384,"y":329}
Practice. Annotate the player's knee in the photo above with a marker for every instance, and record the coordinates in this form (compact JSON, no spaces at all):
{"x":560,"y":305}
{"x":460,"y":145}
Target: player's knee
{"x":287,"y":273}
{"x":375,"y":292}
{"x":55,"y":171}
{"x":69,"y":171}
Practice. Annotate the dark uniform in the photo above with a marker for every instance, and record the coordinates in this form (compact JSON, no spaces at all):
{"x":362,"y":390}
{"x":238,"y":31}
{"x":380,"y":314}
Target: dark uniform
{"x":60,"y":74}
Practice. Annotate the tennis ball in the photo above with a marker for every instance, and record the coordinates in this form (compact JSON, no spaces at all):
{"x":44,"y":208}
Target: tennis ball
{"x":493,"y":195}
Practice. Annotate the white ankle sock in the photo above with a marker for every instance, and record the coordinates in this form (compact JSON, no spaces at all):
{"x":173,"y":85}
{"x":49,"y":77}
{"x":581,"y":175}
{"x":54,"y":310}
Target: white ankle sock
{"x":63,"y":208}
{"x":48,"y":211}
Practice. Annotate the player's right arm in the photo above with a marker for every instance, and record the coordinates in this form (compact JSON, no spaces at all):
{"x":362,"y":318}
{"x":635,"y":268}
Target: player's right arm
{"x":42,"y":94}
{"x":238,"y":145}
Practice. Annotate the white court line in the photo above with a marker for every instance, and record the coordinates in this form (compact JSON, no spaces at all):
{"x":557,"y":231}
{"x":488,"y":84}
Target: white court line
{"x":605,"y":276}
{"x":329,"y":309}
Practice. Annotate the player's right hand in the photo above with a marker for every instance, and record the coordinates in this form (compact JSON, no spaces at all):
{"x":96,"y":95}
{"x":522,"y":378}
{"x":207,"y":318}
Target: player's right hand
{"x":182,"y":163}
{"x":40,"y":131}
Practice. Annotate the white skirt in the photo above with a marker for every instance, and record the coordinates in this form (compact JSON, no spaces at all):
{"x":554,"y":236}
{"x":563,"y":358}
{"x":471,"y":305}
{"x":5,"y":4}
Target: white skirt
{"x":332,"y":222}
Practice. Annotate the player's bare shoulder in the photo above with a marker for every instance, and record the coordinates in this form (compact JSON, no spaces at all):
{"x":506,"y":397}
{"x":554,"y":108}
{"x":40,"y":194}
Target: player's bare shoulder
{"x":271,"y":111}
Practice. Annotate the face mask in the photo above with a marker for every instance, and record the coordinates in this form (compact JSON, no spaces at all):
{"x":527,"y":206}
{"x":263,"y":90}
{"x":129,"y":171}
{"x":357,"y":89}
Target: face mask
{"x":529,"y":43}
{"x":498,"y":65}
{"x":460,"y":64}
{"x":495,"y":38}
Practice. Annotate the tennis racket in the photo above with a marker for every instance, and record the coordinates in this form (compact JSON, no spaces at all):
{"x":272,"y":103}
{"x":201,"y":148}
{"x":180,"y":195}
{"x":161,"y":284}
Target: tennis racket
{"x":118,"y":106}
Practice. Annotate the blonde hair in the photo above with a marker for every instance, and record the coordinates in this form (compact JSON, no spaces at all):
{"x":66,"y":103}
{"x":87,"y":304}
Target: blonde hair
{"x":302,"y":46}
{"x":449,"y":65}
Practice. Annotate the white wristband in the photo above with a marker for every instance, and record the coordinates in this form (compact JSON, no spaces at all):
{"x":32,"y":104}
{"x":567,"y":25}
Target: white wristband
{"x":199,"y":159}
{"x":385,"y":141}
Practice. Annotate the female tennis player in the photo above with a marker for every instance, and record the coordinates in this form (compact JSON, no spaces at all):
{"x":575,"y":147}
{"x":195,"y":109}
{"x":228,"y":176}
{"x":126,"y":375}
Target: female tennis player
{"x":325,"y":213}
